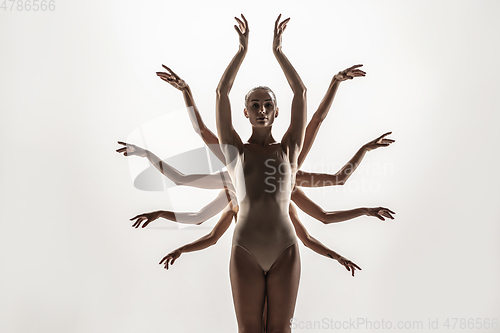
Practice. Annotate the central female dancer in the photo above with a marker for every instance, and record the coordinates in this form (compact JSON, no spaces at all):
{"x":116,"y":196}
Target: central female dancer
{"x":264,"y":258}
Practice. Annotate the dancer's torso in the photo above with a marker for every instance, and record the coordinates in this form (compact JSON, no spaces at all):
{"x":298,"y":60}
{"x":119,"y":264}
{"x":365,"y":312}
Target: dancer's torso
{"x":263,"y":186}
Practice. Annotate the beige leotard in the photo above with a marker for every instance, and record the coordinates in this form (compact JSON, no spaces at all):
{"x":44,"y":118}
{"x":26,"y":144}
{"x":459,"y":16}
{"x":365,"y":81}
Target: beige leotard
{"x":263,"y":186}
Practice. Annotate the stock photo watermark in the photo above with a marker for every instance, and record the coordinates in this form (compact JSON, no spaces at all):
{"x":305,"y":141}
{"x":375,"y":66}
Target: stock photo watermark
{"x":366,"y":324}
{"x":28,"y":5}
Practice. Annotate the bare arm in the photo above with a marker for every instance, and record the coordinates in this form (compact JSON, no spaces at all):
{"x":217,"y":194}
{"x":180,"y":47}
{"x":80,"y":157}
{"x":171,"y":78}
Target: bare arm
{"x":216,"y":180}
{"x":225,"y":130}
{"x":204,"y":242}
{"x":315,"y":245}
{"x":294,"y":136}
{"x":324,"y":107}
{"x":199,"y":126}
{"x":311,"y":208}
{"x":219,"y":203}
{"x":309,"y":179}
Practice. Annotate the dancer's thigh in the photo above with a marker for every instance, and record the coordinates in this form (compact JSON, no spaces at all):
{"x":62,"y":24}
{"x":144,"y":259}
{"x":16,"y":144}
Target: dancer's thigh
{"x":282,"y":284}
{"x":248,"y":286}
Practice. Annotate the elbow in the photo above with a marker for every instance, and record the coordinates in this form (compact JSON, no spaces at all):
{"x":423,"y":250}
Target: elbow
{"x":300,"y":91}
{"x":177,"y":181}
{"x":340,"y":179}
{"x":323,"y":218}
{"x":212,"y":240}
{"x":306,"y":241}
{"x":221,"y":92}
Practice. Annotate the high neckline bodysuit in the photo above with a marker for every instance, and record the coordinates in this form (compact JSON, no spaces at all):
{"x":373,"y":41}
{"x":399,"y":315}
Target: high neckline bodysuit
{"x":263,"y":186}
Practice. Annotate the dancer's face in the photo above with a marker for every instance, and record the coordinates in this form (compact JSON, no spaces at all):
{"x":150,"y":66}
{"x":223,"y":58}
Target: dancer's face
{"x":260,"y":109}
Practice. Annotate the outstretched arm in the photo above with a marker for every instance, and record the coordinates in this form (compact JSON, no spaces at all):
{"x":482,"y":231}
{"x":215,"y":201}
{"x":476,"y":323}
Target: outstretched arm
{"x":324,"y":107}
{"x":315,"y":245}
{"x":201,"y":216}
{"x":294,"y":136}
{"x":204,"y":242}
{"x":199,"y":126}
{"x":216,"y":180}
{"x":225,"y":129}
{"x":312,"y":209}
{"x":309,"y":179}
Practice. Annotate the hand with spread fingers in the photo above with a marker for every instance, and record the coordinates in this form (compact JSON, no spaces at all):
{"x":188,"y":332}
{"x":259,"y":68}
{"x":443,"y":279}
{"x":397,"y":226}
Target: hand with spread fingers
{"x":279,"y":28}
{"x":242,"y":30}
{"x":172,"y":78}
{"x":170,"y":258}
{"x":380,"y":213}
{"x":131,"y":150}
{"x":381,"y":141}
{"x":349,"y":73}
{"x":147,"y":217}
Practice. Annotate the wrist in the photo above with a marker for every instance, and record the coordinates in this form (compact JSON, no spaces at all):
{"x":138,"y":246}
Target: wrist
{"x":334,"y":255}
{"x":365,"y":211}
{"x":335,"y":79}
{"x":243,"y":48}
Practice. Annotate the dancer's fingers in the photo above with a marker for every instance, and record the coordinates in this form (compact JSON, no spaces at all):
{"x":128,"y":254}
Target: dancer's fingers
{"x":237,"y":30}
{"x":384,"y":135}
{"x":171,"y":72}
{"x":355,"y":66}
{"x":276,"y":23}
{"x":244,"y":19}
{"x":356,"y":266}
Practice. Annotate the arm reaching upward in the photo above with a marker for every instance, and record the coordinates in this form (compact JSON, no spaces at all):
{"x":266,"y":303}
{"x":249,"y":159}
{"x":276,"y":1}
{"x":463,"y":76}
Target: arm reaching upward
{"x":199,"y":126}
{"x":315,"y":245}
{"x":225,"y":129}
{"x":204,"y":242}
{"x":294,"y":136}
{"x":324,"y":107}
{"x":311,"y":208}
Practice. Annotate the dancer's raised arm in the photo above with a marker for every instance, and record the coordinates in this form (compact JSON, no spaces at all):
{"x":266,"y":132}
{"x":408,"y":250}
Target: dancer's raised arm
{"x":294,"y":136}
{"x":225,"y":129}
{"x":205,"y":241}
{"x":199,"y":126}
{"x":309,"y":179}
{"x":312,"y":209}
{"x":315,"y":245}
{"x":324,"y":107}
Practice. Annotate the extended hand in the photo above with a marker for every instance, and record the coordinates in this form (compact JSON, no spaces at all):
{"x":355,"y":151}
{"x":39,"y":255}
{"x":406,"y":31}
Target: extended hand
{"x":349,"y":265}
{"x":148,"y":217}
{"x":278,"y":32}
{"x":172,"y":78}
{"x":242,"y":30}
{"x":381,"y":141}
{"x":131,"y":150}
{"x":349,"y":74}
{"x":170,"y":258}
{"x":380,"y":213}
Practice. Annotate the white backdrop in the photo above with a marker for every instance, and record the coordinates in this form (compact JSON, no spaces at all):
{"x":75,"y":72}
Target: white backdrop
{"x":77,"y":79}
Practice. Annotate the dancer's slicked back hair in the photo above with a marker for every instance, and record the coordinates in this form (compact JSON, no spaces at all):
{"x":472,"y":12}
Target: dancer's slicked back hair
{"x":273,"y":96}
